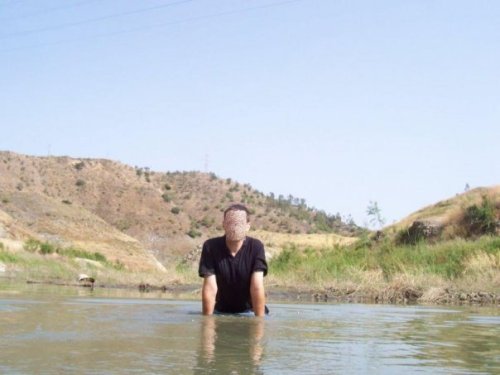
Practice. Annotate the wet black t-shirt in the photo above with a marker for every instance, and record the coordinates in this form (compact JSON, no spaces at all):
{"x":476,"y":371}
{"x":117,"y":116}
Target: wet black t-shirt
{"x":233,"y":274}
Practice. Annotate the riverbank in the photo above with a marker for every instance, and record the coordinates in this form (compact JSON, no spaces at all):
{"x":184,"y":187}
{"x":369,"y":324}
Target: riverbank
{"x":280,"y":293}
{"x":453,"y":272}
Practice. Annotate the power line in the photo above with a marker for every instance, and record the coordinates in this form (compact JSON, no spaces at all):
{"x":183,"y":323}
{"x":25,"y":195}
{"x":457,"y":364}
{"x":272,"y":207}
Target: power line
{"x":13,"y":2}
{"x":98,"y":19}
{"x":48,"y":10}
{"x":159,"y":25}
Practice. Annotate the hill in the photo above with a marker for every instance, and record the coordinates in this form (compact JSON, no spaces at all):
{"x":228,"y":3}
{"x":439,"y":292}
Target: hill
{"x":467,"y":215}
{"x":135,"y":215}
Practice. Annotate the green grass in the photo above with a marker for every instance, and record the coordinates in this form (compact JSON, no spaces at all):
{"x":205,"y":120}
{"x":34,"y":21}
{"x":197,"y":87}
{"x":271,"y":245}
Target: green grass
{"x":78,"y":253}
{"x":445,"y":259}
{"x":8,"y":257}
{"x":34,"y":246}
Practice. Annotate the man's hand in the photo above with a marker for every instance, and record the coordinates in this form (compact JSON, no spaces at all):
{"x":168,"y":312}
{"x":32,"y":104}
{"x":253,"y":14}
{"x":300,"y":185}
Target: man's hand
{"x":257,"y":293}
{"x":208,"y":293}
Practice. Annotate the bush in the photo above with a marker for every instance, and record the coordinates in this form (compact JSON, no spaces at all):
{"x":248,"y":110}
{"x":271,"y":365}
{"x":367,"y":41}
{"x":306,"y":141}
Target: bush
{"x":80,"y":183}
{"x":175,"y":210}
{"x":193,"y":233}
{"x":479,"y":220}
{"x":166,"y":197}
{"x":289,"y":259}
{"x":32,"y":245}
{"x":167,"y":187}
{"x":47,"y":248}
{"x":206,"y":222}
{"x":79,"y":166}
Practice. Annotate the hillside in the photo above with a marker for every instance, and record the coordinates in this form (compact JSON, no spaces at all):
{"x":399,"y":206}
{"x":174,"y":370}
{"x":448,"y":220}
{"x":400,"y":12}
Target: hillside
{"x":133,"y":214}
{"x":470,"y":214}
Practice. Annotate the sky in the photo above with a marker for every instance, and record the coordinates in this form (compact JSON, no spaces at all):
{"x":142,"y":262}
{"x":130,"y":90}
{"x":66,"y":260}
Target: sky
{"x":338,"y":102}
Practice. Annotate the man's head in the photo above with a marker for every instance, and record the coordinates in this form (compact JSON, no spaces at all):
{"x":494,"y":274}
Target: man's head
{"x":236,"y":222}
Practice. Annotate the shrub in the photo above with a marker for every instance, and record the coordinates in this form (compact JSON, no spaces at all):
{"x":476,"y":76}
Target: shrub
{"x":175,"y":210}
{"x":79,"y":166}
{"x":47,"y":248}
{"x":167,"y":187}
{"x":166,"y":197}
{"x":481,"y":219}
{"x":32,"y":245}
{"x":206,"y":222}
{"x":287,"y":260}
{"x":65,"y":201}
{"x":80,"y":183}
{"x":193,"y":233}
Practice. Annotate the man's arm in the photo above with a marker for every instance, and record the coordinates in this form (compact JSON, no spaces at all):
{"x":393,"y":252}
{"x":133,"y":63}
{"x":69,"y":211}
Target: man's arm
{"x":257,"y":293}
{"x":208,"y":293}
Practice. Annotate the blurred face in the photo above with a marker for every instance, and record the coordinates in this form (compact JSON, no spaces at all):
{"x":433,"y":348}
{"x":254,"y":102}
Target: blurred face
{"x":236,"y":225}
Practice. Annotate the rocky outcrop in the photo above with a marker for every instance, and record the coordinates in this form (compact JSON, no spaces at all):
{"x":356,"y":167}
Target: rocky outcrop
{"x":430,"y":228}
{"x":424,"y":229}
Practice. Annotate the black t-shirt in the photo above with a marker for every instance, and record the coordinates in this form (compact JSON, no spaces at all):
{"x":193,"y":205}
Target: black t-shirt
{"x":233,"y":274}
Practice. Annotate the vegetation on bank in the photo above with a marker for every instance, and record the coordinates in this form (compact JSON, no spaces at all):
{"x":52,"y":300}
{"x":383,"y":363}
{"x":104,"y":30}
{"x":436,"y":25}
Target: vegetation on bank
{"x":36,"y":246}
{"x":449,"y":260}
{"x":461,"y":252}
{"x":65,"y":265}
{"x":383,"y":271}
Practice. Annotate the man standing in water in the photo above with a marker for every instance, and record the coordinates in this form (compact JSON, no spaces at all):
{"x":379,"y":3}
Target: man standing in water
{"x":233,"y":268}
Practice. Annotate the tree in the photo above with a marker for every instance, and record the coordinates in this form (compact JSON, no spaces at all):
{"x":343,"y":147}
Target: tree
{"x":375,"y":214}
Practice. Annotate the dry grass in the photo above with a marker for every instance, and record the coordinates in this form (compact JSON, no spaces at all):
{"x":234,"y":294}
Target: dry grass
{"x":275,"y":242}
{"x":483,"y":269}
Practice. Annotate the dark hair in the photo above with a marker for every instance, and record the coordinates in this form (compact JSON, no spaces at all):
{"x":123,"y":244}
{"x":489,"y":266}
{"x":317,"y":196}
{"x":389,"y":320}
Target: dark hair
{"x":238,"y":207}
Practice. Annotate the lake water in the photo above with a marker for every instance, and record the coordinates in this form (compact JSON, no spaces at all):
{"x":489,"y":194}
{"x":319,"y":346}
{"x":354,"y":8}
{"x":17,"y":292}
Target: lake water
{"x":78,"y":331}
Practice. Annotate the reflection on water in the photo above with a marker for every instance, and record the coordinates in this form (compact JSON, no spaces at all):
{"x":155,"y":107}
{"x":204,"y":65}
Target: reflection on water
{"x":83,"y":332}
{"x":231,"y":345}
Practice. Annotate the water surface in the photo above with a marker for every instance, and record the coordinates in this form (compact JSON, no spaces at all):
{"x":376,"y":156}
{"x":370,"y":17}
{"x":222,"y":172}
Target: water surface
{"x":81,"y":331}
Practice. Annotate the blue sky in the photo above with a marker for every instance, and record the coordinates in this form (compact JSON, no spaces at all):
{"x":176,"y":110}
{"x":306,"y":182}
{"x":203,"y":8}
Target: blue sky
{"x":337,"y":102}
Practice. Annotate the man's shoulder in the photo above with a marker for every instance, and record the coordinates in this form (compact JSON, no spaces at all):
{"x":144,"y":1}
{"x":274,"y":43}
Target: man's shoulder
{"x":214,"y":242}
{"x":254,"y":241}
